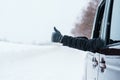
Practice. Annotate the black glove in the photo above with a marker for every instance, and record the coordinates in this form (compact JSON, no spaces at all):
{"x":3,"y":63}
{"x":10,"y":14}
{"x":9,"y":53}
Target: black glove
{"x":56,"y":36}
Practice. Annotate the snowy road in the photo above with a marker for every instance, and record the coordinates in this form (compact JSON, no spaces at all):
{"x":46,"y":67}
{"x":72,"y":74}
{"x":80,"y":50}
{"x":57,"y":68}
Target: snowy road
{"x":47,"y":62}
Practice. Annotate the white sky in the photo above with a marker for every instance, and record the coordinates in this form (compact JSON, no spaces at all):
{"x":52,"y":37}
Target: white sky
{"x":33,"y":20}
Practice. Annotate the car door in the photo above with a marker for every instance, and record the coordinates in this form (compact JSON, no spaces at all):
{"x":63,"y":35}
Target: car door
{"x":109,"y":59}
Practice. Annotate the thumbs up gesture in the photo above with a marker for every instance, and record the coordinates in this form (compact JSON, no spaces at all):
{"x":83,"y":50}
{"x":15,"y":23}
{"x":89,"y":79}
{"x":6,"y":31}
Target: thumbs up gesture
{"x":56,"y":35}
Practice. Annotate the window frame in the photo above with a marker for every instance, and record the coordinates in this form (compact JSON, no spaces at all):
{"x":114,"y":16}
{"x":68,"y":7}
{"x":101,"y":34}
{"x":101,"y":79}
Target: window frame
{"x":106,"y":23}
{"x":98,"y":19}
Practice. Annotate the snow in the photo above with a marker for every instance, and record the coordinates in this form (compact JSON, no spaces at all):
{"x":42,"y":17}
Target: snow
{"x":40,"y":62}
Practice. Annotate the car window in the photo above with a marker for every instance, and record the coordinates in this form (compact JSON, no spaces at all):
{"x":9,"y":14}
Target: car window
{"x":115,"y":24}
{"x":106,"y":22}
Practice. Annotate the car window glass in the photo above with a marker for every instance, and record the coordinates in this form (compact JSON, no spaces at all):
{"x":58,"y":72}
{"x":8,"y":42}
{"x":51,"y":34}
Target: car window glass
{"x":115,"y":28}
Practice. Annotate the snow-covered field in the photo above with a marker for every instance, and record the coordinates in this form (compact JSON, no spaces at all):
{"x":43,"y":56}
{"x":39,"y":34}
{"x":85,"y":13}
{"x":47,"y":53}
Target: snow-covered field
{"x":40,"y":62}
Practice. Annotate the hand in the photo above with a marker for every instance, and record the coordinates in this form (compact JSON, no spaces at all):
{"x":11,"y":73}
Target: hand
{"x":56,"y":36}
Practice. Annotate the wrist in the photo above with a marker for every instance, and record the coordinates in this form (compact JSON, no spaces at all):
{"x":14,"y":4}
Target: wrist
{"x":60,"y":39}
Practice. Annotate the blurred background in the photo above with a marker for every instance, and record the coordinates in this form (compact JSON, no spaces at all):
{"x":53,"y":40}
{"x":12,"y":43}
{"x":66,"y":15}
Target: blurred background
{"x":32,"y":21}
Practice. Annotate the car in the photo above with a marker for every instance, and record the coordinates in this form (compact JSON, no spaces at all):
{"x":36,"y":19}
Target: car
{"x":105,"y":64}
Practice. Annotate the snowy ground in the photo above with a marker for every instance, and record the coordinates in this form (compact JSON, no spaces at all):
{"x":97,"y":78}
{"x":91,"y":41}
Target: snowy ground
{"x":35,"y":62}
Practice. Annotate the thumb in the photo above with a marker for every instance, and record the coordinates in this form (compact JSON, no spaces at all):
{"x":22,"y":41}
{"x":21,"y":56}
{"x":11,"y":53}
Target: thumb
{"x":55,"y":29}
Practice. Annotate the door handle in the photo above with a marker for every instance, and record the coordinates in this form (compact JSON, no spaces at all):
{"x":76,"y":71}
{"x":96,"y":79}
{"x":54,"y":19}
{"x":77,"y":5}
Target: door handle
{"x":94,"y":62}
{"x":102,"y":65}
